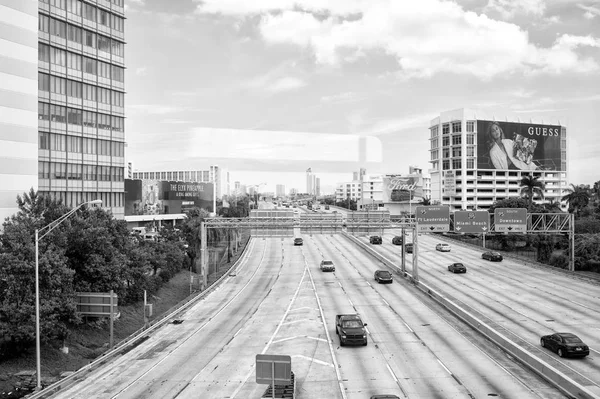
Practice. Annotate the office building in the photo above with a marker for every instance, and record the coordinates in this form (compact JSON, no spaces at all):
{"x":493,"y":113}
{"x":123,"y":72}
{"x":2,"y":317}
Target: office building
{"x":280,"y":190}
{"x":18,"y":102}
{"x":81,"y":101}
{"x":471,"y":170}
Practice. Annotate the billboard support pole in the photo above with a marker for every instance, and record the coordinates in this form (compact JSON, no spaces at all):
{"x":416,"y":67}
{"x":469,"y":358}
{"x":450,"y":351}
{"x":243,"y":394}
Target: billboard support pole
{"x":415,"y":255}
{"x":112,"y":320}
{"x":403,"y":250}
{"x":483,"y":235}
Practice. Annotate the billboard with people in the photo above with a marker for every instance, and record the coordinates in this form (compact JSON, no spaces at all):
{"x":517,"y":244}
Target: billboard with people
{"x":398,"y":188}
{"x":156,"y":197}
{"x":518,"y":146}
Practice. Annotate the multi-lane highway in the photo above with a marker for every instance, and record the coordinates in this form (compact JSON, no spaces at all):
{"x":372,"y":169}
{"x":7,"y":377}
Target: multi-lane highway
{"x":279,"y":302}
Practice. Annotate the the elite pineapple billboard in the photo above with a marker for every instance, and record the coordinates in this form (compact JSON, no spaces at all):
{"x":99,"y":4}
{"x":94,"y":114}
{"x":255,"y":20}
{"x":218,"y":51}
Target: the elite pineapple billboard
{"x":156,"y":197}
{"x":518,"y":146}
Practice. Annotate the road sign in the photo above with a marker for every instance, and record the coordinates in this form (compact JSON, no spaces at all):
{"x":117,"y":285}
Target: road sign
{"x":471,"y":221}
{"x":273,"y":369}
{"x":449,"y":183}
{"x":432,"y":218}
{"x":510,"y":220}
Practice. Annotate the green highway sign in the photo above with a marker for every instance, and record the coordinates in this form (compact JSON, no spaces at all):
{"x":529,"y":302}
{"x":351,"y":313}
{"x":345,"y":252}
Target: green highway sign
{"x":471,"y":221}
{"x":432,"y":218}
{"x":510,"y":220}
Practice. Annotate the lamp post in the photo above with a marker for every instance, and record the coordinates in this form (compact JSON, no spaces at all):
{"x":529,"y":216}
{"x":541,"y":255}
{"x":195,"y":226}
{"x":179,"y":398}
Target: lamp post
{"x":46,"y":230}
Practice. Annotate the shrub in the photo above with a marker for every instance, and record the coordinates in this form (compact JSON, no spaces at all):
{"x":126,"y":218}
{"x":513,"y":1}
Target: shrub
{"x":559,"y":260}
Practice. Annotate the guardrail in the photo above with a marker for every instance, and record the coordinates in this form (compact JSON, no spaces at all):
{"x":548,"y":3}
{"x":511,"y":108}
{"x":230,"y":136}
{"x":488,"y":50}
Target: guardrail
{"x":133,"y":339}
{"x":548,"y":372}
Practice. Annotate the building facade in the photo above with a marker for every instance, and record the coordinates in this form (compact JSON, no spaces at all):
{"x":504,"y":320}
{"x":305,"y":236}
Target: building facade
{"x":351,"y":190}
{"x":18,"y":102}
{"x":214,"y":174}
{"x":477,"y":160}
{"x":81,"y":101}
{"x":280,"y":190}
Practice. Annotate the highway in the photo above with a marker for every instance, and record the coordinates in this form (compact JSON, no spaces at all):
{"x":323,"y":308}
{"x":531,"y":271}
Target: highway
{"x":279,"y":302}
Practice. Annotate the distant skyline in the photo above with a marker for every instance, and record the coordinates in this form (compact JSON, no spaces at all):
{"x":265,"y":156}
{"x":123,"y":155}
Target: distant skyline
{"x":267,"y":89}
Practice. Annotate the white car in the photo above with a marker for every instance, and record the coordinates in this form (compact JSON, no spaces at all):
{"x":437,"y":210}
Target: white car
{"x":327,"y":266}
{"x":443,"y":247}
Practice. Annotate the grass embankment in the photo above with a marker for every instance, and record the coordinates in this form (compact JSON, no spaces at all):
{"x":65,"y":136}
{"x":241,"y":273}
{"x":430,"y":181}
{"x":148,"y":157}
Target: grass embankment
{"x":90,"y":340}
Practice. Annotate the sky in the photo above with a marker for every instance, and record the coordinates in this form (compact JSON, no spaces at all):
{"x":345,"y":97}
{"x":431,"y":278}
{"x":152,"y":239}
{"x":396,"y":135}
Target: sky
{"x":269,"y":88}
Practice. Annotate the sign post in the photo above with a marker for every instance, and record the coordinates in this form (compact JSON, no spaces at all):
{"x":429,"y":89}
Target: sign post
{"x":273,"y":369}
{"x":510,"y":220}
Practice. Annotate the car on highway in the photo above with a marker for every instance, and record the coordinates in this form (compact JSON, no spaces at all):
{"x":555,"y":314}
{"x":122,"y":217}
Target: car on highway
{"x":384,"y":397}
{"x":375,"y":240}
{"x":457,"y":268}
{"x":327,"y":266}
{"x":298,"y":241}
{"x":397,"y":240}
{"x":442,"y":247}
{"x":326,"y":207}
{"x":383,"y":277}
{"x":409,"y":248}
{"x":565,"y":344}
{"x":492,"y":256}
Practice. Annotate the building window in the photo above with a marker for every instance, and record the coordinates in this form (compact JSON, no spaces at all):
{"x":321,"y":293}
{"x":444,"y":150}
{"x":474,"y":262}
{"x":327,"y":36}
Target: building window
{"x":446,"y":164}
{"x":445,"y":141}
{"x":434,"y":131}
{"x":89,"y":12}
{"x":90,"y":39}
{"x":74,"y":144}
{"x":58,"y":28}
{"x":44,"y":141}
{"x":104,"y":121}
{"x":456,"y":140}
{"x":75,"y":34}
{"x":74,"y":7}
{"x":89,"y":119}
{"x":470,"y":139}
{"x":75,"y":117}
{"x":43,"y":170}
{"x":103,"y":70}
{"x":58,"y":56}
{"x":470,"y":126}
{"x":103,"y":18}
{"x":434,"y":155}
{"x":456,"y":127}
{"x":74,"y":88}
{"x":43,"y":82}
{"x":118,"y":73}
{"x":446,"y":152}
{"x":445,"y":129}
{"x":44,"y":111}
{"x":58,"y":4}
{"x":58,"y":85}
{"x":117,"y":23}
{"x":456,"y":164}
{"x":103,"y":43}
{"x":43,"y":53}
{"x":58,"y":114}
{"x":58,"y":142}
{"x":470,"y":151}
{"x":456,"y":152}
{"x":74,"y":61}
{"x":44,"y":23}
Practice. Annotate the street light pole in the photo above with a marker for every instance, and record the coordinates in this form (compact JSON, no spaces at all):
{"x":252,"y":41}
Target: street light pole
{"x":49,"y":227}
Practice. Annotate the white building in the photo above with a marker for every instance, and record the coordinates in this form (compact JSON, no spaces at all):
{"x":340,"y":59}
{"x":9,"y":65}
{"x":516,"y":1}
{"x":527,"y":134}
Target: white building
{"x":471,"y":171}
{"x":351,"y":190}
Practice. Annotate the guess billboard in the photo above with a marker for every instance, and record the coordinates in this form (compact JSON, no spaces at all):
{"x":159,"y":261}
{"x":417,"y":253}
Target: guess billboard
{"x":401,"y":189}
{"x":518,"y":146}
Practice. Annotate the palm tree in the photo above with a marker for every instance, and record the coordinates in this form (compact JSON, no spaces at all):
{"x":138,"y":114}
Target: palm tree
{"x":530,"y":187}
{"x":578,"y":197}
{"x":425,"y":201}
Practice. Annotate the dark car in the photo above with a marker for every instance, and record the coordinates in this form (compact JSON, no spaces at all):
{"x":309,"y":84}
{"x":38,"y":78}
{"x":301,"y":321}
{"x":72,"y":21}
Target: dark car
{"x":326,"y":207}
{"x":397,"y":240}
{"x":327,"y":266}
{"x":383,"y":276}
{"x":384,"y":397}
{"x":409,"y":248}
{"x":457,"y":268}
{"x":492,"y":256}
{"x":298,"y":241}
{"x":375,"y":240}
{"x":565,"y":344}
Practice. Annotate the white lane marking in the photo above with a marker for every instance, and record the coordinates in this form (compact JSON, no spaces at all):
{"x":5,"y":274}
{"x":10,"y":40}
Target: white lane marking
{"x":238,"y":331}
{"x":368,"y":332}
{"x":302,"y":308}
{"x":336,"y":366}
{"x":252,"y":370}
{"x":313,"y":360}
{"x":407,"y":326}
{"x":351,"y":304}
{"x":296,"y":321}
{"x":445,"y":368}
{"x":386,"y":302}
{"x":392,"y":373}
{"x":299,"y":336}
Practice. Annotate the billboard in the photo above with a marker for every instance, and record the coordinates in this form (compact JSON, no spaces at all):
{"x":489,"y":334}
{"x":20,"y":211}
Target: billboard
{"x":156,"y":197}
{"x":398,"y":188}
{"x":518,"y":146}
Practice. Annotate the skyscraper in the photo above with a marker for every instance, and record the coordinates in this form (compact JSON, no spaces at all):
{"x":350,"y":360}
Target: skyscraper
{"x":18,"y":102}
{"x":309,"y":181}
{"x":81,"y":101}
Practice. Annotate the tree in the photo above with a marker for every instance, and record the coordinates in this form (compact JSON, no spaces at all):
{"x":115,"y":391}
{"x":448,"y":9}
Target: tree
{"x":513,"y":202}
{"x":578,"y":197}
{"x":425,"y":201}
{"x":530,"y":187}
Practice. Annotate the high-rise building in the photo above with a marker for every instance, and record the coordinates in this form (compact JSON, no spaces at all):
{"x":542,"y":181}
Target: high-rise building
{"x":309,"y":181}
{"x":18,"y":102}
{"x":317,"y":186}
{"x":477,"y":160}
{"x":280,"y":190}
{"x":81,"y":100}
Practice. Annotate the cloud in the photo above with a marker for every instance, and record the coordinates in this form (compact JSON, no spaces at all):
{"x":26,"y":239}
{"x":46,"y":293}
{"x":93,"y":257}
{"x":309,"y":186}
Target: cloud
{"x":157,"y":109}
{"x":137,"y":2}
{"x":508,"y":9}
{"x":345,"y":97}
{"x":394,"y":125}
{"x":141,"y":71}
{"x":425,"y":37}
{"x":276,"y":80}
{"x":590,"y":11}
{"x":285,"y":84}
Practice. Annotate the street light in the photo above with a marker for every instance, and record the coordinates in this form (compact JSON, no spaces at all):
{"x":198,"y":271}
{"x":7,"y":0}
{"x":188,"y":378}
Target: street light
{"x":51,"y":226}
